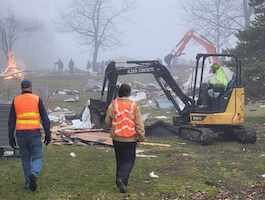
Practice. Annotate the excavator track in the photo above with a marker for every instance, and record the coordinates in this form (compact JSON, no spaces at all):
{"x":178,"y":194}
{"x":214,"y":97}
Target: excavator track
{"x":207,"y":135}
{"x":245,"y":135}
{"x":202,"y":135}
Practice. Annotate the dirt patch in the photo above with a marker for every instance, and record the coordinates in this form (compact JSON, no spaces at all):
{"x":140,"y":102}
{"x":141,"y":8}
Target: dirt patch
{"x":177,"y":167}
{"x":255,"y":192}
{"x":182,"y":157}
{"x":224,"y":194}
{"x":199,"y":196}
{"x":168,"y":196}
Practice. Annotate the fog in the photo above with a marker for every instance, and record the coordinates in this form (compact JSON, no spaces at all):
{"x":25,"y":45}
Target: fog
{"x":149,"y":31}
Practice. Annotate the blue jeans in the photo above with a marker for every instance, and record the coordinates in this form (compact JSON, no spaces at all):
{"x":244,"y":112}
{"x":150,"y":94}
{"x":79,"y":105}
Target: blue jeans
{"x":30,"y":147}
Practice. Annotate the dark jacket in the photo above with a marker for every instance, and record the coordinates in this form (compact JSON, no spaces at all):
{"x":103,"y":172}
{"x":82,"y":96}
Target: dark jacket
{"x":44,"y":119}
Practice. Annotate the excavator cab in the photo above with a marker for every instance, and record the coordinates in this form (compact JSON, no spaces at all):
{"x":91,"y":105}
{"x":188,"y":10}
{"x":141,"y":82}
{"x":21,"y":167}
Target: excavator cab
{"x":218,"y":107}
{"x":224,"y":115}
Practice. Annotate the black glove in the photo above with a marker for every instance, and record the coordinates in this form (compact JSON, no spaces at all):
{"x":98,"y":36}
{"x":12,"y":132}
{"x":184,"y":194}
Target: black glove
{"x":12,"y":142}
{"x":47,"y":139}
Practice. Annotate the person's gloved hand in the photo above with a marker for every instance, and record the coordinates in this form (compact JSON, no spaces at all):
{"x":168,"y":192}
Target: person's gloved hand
{"x":47,"y":139}
{"x":12,"y":142}
{"x":140,"y":138}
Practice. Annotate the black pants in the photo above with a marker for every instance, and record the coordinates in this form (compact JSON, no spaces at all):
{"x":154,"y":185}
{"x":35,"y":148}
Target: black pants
{"x":125,"y":153}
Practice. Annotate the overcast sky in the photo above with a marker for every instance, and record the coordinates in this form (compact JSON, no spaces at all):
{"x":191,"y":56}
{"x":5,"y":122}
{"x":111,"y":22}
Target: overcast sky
{"x":151,"y":31}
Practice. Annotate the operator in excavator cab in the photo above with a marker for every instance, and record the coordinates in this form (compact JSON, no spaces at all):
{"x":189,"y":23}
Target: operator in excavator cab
{"x":218,"y":82}
{"x":217,"y":85}
{"x":214,"y":88}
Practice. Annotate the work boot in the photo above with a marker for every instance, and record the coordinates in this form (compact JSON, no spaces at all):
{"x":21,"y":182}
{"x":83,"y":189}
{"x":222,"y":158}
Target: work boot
{"x":122,"y":187}
{"x":26,"y":185}
{"x":32,"y":182}
{"x":126,"y":182}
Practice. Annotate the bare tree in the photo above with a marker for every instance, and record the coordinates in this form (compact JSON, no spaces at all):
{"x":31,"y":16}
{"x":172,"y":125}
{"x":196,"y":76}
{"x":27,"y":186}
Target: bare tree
{"x":12,"y":29}
{"x":247,"y":12}
{"x":95,"y":23}
{"x":218,"y":19}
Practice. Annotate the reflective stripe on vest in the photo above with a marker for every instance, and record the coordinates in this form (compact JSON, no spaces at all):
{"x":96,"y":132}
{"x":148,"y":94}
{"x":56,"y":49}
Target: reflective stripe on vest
{"x":27,"y":112}
{"x":124,"y":116}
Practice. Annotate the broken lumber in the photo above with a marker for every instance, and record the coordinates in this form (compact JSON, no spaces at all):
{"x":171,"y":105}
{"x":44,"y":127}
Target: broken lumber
{"x":155,"y":144}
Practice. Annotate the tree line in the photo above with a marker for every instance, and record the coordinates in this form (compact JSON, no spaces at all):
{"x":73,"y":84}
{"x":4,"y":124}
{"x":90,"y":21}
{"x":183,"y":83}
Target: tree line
{"x":251,"y":50}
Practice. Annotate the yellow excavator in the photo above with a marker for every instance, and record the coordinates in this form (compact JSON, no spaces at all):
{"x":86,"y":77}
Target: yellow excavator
{"x":196,"y":120}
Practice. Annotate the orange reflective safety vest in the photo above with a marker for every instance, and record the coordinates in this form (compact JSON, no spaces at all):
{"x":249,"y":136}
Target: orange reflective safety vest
{"x":123,"y":123}
{"x":27,"y":112}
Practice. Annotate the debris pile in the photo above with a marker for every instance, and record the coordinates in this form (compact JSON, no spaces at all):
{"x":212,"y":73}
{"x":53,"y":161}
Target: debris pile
{"x":59,"y":115}
{"x":68,"y":136}
{"x":93,"y":85}
{"x":67,"y":95}
{"x":87,"y":136}
{"x":84,"y":122}
{"x":66,"y":92}
{"x":138,"y":96}
{"x":65,"y":135}
{"x":146,"y":95}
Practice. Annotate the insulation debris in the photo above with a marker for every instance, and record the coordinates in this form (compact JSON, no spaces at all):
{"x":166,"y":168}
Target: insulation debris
{"x":139,"y":154}
{"x":66,"y":92}
{"x":66,"y":95}
{"x":72,"y":154}
{"x":85,"y":121}
{"x":138,"y":96}
{"x":153,"y":175}
{"x":161,"y":117}
{"x":59,"y":115}
{"x":74,"y":99}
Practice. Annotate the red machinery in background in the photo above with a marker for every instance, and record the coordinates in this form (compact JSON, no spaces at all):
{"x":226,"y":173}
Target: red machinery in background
{"x":191,"y":35}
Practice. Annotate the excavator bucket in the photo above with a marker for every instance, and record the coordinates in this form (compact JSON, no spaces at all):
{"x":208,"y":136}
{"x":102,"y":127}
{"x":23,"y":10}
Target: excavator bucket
{"x":98,"y":111}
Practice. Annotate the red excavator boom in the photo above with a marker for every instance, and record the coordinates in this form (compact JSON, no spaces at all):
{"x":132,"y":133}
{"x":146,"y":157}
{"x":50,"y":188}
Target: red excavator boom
{"x":201,"y":40}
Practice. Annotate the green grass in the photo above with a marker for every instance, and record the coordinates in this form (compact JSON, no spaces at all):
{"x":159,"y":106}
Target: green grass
{"x":183,"y":169}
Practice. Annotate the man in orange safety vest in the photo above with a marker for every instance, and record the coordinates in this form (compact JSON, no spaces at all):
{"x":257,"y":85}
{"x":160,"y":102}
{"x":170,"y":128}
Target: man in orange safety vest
{"x":27,"y":113}
{"x":124,"y":117}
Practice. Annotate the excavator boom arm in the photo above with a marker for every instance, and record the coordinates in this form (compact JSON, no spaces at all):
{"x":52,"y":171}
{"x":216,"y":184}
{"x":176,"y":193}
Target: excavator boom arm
{"x":161,"y":75}
{"x":201,"y":40}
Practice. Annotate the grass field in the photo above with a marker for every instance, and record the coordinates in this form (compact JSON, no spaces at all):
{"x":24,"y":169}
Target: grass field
{"x":186,"y":171}
{"x":225,"y":170}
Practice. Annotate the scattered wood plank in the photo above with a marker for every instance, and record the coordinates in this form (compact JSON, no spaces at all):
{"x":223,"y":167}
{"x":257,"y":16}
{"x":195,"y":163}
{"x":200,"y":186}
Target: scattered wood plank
{"x":96,"y":137}
{"x":155,"y":144}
